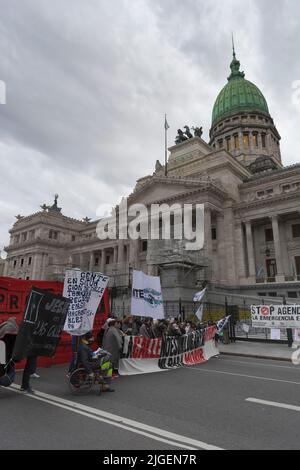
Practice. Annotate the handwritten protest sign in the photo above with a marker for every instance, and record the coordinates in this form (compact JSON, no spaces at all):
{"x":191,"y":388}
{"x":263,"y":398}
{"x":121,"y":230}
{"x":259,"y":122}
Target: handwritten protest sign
{"x":85,"y":290}
{"x":42,"y":324}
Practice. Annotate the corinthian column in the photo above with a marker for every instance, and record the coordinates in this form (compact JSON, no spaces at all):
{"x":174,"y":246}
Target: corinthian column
{"x":250,"y":250}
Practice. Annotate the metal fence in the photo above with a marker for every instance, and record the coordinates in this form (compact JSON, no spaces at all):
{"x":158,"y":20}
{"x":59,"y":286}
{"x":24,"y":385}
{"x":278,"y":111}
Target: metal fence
{"x":235,"y":305}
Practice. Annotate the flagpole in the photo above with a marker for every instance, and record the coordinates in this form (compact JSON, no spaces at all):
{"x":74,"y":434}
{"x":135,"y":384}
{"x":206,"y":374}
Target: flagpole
{"x":166,"y":145}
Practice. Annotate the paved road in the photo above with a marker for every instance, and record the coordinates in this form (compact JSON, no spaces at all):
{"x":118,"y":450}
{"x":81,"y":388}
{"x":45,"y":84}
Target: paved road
{"x":228,"y":403}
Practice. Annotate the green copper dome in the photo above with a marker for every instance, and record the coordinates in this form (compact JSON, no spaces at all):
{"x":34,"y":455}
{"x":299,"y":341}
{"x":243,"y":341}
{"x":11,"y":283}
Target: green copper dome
{"x":238,"y":95}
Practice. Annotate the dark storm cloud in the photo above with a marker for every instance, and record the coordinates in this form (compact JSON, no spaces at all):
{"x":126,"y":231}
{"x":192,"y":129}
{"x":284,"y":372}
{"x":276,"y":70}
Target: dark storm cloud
{"x":88,"y":83}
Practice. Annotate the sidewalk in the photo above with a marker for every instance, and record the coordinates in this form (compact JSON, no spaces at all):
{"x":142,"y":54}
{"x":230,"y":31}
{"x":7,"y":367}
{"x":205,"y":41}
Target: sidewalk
{"x":279,"y":352}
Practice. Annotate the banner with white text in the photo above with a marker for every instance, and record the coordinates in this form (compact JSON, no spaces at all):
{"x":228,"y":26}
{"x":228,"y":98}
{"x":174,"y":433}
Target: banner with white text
{"x":145,"y":355}
{"x":85,"y":290}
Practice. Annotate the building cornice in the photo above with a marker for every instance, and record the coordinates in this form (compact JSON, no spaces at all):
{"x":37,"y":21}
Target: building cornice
{"x":274,"y":175}
{"x":274,"y":200}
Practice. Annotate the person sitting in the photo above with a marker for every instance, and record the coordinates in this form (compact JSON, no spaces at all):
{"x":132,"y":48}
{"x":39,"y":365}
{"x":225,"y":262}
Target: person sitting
{"x":90,"y":361}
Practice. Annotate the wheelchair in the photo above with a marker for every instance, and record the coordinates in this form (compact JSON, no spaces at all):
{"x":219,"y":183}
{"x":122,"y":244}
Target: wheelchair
{"x":79,"y":381}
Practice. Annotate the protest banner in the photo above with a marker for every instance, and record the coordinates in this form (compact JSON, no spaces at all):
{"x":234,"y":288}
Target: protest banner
{"x":85,"y":290}
{"x":146,"y":298}
{"x":144,"y":355}
{"x":42,"y":325}
{"x":275,"y":316}
{"x":199,"y":296}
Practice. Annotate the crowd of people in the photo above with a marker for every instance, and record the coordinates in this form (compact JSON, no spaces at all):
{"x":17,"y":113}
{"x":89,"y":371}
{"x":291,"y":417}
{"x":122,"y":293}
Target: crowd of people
{"x":110,"y":337}
{"x":110,"y":345}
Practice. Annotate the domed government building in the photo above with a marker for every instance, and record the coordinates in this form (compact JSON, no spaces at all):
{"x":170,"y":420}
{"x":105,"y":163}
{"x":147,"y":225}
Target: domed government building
{"x":252,"y":218}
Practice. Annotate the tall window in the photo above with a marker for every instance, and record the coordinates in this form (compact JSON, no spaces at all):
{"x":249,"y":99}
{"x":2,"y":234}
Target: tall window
{"x":263,"y":140}
{"x":228,"y":144}
{"x":246,"y":140}
{"x":53,"y":234}
{"x":255,"y":140}
{"x":220,"y":143}
{"x":296,"y":231}
{"x":236,"y":142}
{"x":297,"y":263}
{"x":29,"y":260}
{"x":271,"y":267}
{"x":269,"y":235}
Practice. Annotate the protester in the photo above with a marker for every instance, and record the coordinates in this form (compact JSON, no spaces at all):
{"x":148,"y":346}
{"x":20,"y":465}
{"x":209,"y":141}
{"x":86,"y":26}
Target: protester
{"x":145,"y":329}
{"x":136,"y":325}
{"x":30,"y":367}
{"x":173,"y":329}
{"x":127,"y":324}
{"x":113,"y":343}
{"x":86,"y":358}
{"x":102,"y":331}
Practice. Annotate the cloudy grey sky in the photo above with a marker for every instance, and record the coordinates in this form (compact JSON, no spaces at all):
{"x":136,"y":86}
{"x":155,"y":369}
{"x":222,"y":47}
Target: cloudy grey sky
{"x":88,"y":83}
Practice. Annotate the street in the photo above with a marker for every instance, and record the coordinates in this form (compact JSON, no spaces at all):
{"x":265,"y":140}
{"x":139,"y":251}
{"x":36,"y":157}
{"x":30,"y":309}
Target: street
{"x":227,"y":403}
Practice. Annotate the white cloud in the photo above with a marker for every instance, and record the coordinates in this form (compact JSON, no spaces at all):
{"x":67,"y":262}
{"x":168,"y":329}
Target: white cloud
{"x":88,"y":84}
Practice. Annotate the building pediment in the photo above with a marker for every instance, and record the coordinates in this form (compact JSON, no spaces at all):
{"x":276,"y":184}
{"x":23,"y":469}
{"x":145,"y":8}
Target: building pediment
{"x":161,"y":188}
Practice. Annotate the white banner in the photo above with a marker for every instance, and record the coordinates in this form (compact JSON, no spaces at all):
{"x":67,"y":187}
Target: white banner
{"x":199,"y":313}
{"x":222,"y":324}
{"x":297,"y":336}
{"x":199,"y":296}
{"x":275,"y":316}
{"x":145,"y":355}
{"x":275,"y":334}
{"x":85,"y":289}
{"x":146,"y":300}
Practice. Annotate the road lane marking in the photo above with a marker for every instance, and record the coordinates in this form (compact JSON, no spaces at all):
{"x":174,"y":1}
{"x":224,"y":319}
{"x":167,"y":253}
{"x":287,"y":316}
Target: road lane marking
{"x":121,"y":422}
{"x":262,"y":364}
{"x":242,"y":375}
{"x":274,"y":403}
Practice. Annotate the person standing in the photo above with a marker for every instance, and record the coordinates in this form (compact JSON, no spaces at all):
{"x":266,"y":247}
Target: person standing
{"x":30,"y":368}
{"x":113,"y":343}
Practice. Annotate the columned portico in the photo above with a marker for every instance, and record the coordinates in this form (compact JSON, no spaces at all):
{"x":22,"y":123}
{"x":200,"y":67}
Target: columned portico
{"x":92,"y":261}
{"x":207,"y":233}
{"x":115,"y":254}
{"x":239,"y":240}
{"x":250,"y":250}
{"x":278,"y":251}
{"x":120,"y":251}
{"x":102,"y":262}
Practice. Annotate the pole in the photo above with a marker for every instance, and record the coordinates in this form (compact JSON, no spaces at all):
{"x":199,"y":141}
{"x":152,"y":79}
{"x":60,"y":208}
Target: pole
{"x":166,"y":146}
{"x":289,"y":331}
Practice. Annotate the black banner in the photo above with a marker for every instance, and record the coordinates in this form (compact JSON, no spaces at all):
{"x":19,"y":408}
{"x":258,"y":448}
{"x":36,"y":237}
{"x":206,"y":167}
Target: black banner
{"x":43,"y":322}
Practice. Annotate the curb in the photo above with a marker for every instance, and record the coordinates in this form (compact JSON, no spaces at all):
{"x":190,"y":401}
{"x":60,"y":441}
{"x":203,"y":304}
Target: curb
{"x":256,"y":356}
